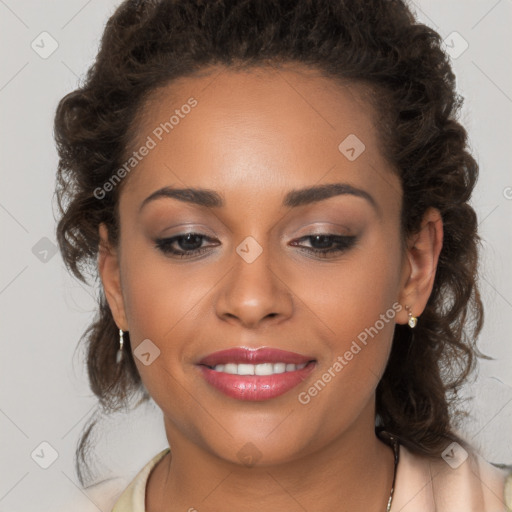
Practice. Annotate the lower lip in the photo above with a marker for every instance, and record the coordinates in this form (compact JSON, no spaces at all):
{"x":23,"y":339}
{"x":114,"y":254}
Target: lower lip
{"x":255,"y":387}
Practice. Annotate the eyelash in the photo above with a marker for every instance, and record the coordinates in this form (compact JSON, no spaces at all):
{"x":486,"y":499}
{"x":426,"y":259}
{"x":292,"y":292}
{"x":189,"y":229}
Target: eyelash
{"x":343,"y":243}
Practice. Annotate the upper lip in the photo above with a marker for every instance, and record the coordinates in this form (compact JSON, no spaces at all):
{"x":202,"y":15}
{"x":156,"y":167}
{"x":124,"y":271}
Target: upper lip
{"x":254,"y":356}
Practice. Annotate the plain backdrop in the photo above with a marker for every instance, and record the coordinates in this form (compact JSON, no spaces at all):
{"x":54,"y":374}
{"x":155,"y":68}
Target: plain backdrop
{"x":44,"y":394}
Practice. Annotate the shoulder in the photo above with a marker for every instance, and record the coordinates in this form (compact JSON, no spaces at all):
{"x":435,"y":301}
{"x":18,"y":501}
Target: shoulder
{"x":115,"y":493}
{"x":134,"y":496}
{"x":461,"y":480}
{"x":98,"y":497}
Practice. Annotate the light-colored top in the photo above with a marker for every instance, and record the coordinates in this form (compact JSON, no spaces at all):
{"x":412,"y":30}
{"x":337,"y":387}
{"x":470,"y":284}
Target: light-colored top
{"x":422,"y":485}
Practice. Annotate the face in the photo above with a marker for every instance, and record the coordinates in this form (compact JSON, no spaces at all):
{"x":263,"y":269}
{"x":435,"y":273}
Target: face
{"x":322,"y":276}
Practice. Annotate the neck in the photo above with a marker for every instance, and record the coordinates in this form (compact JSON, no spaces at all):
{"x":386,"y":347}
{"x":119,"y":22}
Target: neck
{"x":352,"y":473}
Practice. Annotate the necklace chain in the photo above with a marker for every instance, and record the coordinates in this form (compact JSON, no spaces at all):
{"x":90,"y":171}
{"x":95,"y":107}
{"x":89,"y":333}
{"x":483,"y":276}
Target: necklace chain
{"x":396,"y":450}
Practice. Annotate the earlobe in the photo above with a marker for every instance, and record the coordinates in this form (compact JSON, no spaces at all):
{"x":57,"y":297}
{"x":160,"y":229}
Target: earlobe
{"x":423,"y":252}
{"x":109,"y":271}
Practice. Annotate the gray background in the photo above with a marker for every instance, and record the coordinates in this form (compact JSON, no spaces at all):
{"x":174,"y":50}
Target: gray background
{"x":44,"y":391}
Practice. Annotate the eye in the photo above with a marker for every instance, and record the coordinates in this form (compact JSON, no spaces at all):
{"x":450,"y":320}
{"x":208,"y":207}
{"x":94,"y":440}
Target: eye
{"x":184,"y":245}
{"x":187,"y":245}
{"x":325,"y":244}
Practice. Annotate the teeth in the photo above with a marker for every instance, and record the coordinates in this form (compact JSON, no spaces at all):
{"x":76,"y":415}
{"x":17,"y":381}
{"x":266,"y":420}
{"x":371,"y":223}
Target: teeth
{"x":257,"y":369}
{"x":245,"y":369}
{"x":279,"y":367}
{"x":264,"y":369}
{"x":230,"y":368}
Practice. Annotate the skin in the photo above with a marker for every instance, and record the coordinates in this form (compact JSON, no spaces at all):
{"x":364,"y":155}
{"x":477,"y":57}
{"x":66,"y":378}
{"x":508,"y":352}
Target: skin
{"x":254,"y":136}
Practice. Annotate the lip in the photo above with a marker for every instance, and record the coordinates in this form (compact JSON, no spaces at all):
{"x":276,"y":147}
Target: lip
{"x":254,"y":356}
{"x":255,"y":387}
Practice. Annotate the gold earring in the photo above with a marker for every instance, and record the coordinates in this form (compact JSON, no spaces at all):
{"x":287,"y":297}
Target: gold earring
{"x":119,"y":355}
{"x":413,"y":320}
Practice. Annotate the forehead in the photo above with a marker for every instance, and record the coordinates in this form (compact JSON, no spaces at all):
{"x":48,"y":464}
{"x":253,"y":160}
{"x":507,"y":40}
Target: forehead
{"x":258,"y":132}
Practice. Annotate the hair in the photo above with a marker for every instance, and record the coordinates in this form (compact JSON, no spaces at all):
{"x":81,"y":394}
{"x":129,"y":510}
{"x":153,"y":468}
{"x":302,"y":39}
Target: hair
{"x":374,"y":44}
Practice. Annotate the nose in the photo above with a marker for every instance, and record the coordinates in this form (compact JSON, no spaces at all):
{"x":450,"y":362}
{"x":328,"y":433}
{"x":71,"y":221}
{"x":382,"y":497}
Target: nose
{"x":255,"y":293}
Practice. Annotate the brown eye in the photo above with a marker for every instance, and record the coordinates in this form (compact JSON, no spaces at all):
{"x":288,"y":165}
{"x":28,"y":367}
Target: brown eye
{"x":325,"y":244}
{"x":184,"y":245}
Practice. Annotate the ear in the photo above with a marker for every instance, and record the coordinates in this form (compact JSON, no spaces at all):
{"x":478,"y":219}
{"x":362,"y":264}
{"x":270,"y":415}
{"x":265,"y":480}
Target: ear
{"x":419,"y":271}
{"x":109,"y":270}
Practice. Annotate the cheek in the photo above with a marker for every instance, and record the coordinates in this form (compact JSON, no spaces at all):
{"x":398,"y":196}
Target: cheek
{"x":350,"y":295}
{"x":159,"y":295}
{"x":162,"y":305}
{"x":357,"y":307}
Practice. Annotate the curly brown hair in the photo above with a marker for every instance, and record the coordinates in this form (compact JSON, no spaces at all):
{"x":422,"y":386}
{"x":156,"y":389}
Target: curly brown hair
{"x":377,"y":44}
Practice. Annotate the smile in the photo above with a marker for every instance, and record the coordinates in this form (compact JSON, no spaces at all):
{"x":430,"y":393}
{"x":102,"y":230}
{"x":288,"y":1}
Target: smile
{"x":257,"y":369}
{"x":255,"y":375}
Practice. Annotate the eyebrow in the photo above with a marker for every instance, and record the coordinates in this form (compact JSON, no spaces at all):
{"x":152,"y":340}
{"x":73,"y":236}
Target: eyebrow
{"x":294,"y":198}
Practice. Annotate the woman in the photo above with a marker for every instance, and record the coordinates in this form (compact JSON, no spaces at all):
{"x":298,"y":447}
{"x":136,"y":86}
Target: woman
{"x":275,"y":197}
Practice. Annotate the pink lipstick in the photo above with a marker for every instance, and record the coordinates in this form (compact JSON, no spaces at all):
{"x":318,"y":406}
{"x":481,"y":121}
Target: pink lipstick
{"x":255,"y":374}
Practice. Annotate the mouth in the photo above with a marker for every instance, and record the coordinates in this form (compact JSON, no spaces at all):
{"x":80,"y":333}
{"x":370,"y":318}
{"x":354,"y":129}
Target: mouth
{"x":255,"y":374}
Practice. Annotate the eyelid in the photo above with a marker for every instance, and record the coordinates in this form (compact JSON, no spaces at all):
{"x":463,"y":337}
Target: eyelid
{"x":321,"y":228}
{"x":185,"y":229}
